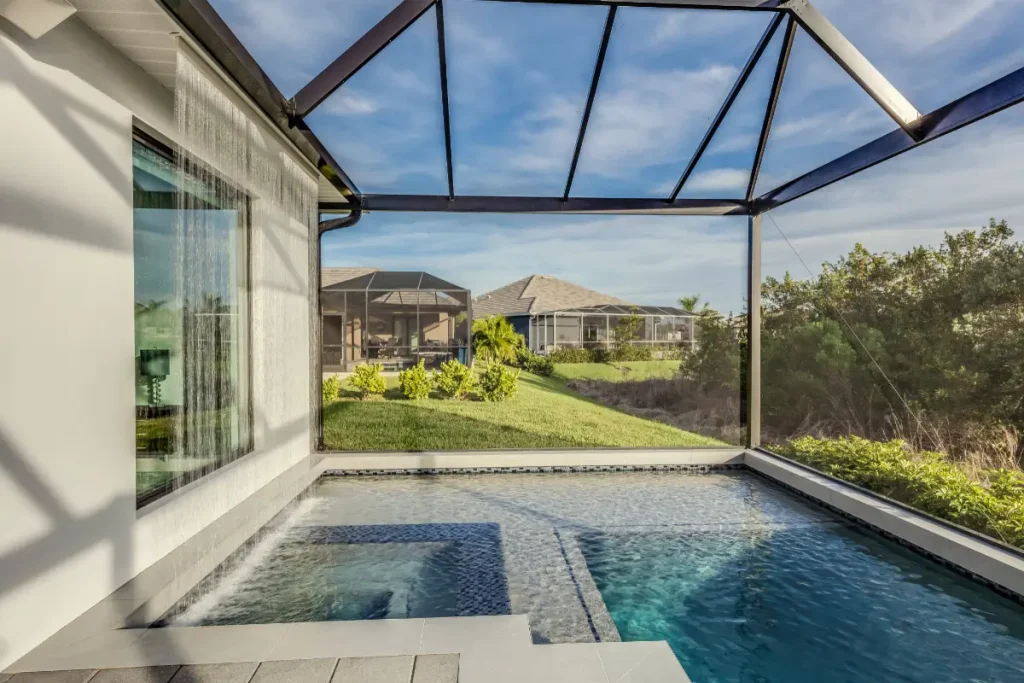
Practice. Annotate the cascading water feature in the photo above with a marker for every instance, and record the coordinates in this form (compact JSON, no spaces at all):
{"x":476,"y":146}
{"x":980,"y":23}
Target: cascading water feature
{"x":246,"y":228}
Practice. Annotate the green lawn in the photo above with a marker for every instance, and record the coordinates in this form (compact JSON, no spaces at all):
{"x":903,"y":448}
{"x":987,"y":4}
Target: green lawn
{"x":618,"y":372}
{"x":544,"y":415}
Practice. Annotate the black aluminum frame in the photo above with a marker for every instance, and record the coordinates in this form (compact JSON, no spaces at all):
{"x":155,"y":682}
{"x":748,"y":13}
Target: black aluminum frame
{"x":208,"y":30}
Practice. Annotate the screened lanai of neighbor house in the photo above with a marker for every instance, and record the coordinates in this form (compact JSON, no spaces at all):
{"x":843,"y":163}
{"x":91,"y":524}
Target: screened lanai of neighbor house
{"x":393,"y":318}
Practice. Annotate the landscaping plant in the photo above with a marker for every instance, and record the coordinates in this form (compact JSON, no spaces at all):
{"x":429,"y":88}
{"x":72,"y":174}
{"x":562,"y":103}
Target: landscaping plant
{"x":494,"y":339}
{"x":925,"y":480}
{"x":499,"y":383}
{"x":368,"y":381}
{"x":331,"y":387}
{"x":533,"y":363}
{"x":414,"y":382}
{"x":572,"y":355}
{"x":453,"y":380}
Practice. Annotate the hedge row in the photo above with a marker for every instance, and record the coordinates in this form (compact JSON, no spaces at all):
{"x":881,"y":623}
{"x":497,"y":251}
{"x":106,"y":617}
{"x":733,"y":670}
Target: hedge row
{"x":924,"y":480}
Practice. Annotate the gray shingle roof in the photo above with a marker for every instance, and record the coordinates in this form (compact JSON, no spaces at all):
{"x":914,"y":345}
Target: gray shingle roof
{"x":332,"y":276}
{"x":538,"y":294}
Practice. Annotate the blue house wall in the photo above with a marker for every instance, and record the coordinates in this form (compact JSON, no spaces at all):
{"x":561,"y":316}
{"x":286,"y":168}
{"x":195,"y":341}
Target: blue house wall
{"x":521,"y":323}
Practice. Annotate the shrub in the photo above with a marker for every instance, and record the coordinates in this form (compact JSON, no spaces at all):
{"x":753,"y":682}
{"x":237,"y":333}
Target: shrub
{"x":571,"y":355}
{"x":331,"y":387}
{"x":499,"y":383}
{"x":669,"y":352}
{"x":924,"y":480}
{"x":453,"y":380}
{"x":367,"y":380}
{"x":533,"y":363}
{"x":629,"y":352}
{"x":414,"y":382}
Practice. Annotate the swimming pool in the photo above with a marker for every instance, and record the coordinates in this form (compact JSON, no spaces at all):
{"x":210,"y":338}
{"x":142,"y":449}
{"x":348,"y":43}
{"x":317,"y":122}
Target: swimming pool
{"x":745,"y":581}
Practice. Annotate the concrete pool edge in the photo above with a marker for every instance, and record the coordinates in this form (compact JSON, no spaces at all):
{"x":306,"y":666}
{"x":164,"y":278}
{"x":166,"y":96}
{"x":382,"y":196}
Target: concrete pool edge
{"x":987,"y":563}
{"x":495,"y":461}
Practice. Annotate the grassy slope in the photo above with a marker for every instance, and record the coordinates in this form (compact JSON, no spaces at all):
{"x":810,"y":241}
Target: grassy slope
{"x":544,"y":415}
{"x":619,"y":372}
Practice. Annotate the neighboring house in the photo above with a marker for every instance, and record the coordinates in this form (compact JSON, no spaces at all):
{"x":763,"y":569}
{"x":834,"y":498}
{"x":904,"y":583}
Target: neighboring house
{"x":550,"y":312}
{"x":395,"y":318}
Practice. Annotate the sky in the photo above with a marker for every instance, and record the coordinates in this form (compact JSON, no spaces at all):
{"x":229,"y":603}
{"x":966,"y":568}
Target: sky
{"x":518,"y":80}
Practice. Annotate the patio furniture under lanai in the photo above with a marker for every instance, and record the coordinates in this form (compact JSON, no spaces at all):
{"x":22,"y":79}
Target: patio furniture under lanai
{"x":395,"y":318}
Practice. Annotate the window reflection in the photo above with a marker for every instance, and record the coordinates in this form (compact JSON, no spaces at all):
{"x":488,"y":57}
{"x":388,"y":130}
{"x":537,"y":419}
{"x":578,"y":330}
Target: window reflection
{"x":192,"y":400}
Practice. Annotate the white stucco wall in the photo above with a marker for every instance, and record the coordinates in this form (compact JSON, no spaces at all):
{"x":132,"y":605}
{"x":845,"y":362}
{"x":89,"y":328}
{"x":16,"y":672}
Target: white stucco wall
{"x":69,"y":530}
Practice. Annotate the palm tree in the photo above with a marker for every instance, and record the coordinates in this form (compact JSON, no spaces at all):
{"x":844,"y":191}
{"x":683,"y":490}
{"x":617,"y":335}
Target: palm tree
{"x":689,"y":303}
{"x":494,"y":339}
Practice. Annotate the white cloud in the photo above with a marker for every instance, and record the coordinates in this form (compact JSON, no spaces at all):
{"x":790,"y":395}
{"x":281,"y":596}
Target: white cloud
{"x":349,"y":103}
{"x":644,"y":116}
{"x":720,"y":179}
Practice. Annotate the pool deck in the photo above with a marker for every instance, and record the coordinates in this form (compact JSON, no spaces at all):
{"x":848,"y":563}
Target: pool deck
{"x":490,"y":650}
{"x":399,"y":669}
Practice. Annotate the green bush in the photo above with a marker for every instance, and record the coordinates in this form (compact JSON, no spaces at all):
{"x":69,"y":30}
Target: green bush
{"x":331,"y":387}
{"x":571,"y":355}
{"x":414,"y":382}
{"x":629,"y":352}
{"x":533,"y":363}
{"x":668,"y":352}
{"x":924,"y":480}
{"x":499,"y":383}
{"x":453,"y":380}
{"x":367,"y":380}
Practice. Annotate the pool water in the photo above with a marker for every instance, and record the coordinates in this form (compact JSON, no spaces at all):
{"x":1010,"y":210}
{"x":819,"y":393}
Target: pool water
{"x":822,"y":602}
{"x":746,"y":582}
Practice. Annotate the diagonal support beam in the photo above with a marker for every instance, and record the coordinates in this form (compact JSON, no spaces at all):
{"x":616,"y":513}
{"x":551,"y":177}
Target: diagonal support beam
{"x":983,"y":102}
{"x":755,"y":57}
{"x":855,"y":64}
{"x":773,"y":103}
{"x":361,"y":52}
{"x":443,"y":63}
{"x":602,"y":51}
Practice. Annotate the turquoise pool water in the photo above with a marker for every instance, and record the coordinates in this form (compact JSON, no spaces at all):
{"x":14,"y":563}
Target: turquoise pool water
{"x":746,"y":582}
{"x":816,"y":603}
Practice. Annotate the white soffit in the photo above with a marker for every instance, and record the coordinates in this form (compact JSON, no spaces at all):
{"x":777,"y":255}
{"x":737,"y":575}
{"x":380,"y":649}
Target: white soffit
{"x":144,"y":32}
{"x":327,"y":192}
{"x":138,"y":28}
{"x":35,"y":17}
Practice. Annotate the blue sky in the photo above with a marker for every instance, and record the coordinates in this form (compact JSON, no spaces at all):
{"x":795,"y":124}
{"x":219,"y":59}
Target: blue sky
{"x":518,"y":79}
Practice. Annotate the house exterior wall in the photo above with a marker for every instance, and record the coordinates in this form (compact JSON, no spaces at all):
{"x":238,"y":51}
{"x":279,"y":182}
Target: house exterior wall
{"x":69,"y":531}
{"x":521,"y":324}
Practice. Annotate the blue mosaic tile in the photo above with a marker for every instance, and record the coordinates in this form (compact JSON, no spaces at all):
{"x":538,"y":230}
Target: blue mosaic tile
{"x":482,"y":581}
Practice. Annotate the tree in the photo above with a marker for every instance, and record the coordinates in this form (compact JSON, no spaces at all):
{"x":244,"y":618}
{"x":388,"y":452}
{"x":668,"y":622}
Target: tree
{"x":494,"y":339}
{"x":627,"y":329}
{"x":690,"y":303}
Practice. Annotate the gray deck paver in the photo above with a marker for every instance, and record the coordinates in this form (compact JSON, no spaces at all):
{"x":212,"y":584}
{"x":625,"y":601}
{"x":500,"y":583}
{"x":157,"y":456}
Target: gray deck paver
{"x":215,"y":673}
{"x":296,"y":671}
{"x":75,"y":676}
{"x":374,"y":670}
{"x":141,"y":674}
{"x":436,"y":669}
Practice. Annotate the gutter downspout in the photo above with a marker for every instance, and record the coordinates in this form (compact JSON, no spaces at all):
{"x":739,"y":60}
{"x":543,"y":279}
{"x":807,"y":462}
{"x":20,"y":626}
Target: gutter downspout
{"x":318,"y":353}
